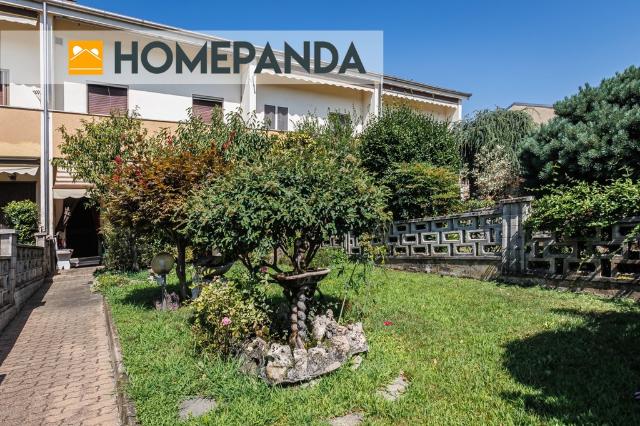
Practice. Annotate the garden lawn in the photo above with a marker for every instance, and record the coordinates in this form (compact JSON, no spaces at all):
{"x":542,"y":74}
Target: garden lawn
{"x":474,"y":352}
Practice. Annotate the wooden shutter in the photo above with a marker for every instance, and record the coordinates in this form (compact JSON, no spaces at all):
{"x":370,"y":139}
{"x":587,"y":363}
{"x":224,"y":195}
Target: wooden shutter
{"x":203,"y":108}
{"x":270,"y":116}
{"x":283,"y":119}
{"x":106,"y":99}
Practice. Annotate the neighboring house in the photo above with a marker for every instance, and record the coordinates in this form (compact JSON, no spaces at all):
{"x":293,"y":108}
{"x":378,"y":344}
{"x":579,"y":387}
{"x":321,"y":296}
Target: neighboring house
{"x":540,"y":113}
{"x":35,"y":52}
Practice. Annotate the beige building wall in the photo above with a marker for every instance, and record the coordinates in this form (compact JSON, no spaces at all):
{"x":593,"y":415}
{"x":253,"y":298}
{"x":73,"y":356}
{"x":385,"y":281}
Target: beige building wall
{"x":540,"y":114}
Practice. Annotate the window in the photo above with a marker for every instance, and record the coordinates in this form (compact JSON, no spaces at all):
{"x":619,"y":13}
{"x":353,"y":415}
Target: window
{"x":103,"y":100}
{"x":4,"y":87}
{"x":279,"y":121}
{"x":203,"y":107}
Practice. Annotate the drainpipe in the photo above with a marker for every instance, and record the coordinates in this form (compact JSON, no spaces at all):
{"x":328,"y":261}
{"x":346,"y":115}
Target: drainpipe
{"x":45,"y":165}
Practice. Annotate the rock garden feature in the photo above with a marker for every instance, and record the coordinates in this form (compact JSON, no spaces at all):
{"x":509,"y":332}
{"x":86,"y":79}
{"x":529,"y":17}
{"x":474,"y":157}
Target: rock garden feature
{"x":278,"y":363}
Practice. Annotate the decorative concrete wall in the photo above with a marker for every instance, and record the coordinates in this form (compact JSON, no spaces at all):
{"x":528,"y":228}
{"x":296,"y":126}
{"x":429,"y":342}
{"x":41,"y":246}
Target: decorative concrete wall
{"x":605,"y":254}
{"x":478,"y":244}
{"x":23,"y":269}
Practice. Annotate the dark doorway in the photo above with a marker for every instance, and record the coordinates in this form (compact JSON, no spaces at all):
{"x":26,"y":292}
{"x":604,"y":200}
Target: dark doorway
{"x":82,"y":229}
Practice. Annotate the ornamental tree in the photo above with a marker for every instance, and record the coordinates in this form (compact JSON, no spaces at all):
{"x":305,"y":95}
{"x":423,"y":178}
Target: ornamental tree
{"x":306,"y":187}
{"x":594,"y":137}
{"x":490,"y":142}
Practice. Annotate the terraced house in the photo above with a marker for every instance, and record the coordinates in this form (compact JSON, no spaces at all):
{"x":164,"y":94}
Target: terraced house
{"x":51,"y":75}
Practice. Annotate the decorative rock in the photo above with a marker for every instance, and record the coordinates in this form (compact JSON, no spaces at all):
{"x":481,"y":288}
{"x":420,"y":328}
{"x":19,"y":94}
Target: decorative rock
{"x":352,"y":419}
{"x":357,"y":339}
{"x":279,"y":360}
{"x":310,"y":383}
{"x":196,"y":407}
{"x":279,"y":364}
{"x":394,"y":390}
{"x":319,"y":325}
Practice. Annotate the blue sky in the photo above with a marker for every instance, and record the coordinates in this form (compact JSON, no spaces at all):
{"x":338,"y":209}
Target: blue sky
{"x":501,"y":51}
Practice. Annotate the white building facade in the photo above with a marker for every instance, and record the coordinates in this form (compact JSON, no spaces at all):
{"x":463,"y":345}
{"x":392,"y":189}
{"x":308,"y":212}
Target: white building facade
{"x":38,"y":96}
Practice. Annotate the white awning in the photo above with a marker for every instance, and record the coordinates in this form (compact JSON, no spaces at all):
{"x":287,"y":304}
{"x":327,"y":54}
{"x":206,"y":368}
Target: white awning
{"x":61,"y":194}
{"x":269,"y":77}
{"x":18,"y":19}
{"x":19,"y":169}
{"x":419,"y":99}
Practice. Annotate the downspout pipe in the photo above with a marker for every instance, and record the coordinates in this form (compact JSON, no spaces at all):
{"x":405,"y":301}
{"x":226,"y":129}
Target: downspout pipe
{"x":44,"y":163}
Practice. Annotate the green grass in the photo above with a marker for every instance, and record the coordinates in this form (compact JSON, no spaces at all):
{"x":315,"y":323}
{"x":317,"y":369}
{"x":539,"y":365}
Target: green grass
{"x":475,"y":352}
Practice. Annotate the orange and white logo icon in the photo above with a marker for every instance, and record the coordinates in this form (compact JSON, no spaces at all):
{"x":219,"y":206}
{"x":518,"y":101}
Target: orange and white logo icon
{"x":85,"y":57}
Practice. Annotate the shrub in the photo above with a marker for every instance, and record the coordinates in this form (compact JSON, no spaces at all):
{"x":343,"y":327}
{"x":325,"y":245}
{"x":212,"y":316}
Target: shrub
{"x":23,"y":216}
{"x":490,"y":141}
{"x":401,"y":135}
{"x":224,"y":318}
{"x":307,"y":187}
{"x":595,"y":136}
{"x":421,"y":190}
{"x":580,"y":208}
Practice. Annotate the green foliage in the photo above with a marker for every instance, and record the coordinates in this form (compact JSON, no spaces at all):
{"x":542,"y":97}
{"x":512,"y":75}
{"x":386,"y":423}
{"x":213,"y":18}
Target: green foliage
{"x":90,"y":153}
{"x":421,"y":190}
{"x":490,"y":142}
{"x":305,"y":188}
{"x":224,"y":318}
{"x":595,"y":136}
{"x":581,"y":207}
{"x":106,"y":281}
{"x":23,"y":216}
{"x":126,"y":250}
{"x":402,"y":134}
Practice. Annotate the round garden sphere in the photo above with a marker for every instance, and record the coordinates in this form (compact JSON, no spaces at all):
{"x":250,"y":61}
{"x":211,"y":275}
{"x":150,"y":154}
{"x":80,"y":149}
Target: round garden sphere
{"x":162,"y":263}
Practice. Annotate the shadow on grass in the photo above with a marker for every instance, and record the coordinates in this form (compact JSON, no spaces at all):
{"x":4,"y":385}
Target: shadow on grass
{"x":583,"y":375}
{"x":145,"y":297}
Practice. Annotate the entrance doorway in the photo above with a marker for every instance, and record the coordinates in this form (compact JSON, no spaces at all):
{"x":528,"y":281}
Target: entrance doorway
{"x":79,"y":224}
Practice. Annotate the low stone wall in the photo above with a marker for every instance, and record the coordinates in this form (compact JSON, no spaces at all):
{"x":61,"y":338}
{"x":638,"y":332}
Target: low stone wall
{"x":481,"y":268}
{"x":23,"y":270}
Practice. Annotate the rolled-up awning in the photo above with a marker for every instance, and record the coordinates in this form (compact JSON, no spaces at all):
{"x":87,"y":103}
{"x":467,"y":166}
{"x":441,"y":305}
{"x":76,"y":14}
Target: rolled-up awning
{"x":19,"y":169}
{"x":17,"y":19}
{"x":62,"y":193}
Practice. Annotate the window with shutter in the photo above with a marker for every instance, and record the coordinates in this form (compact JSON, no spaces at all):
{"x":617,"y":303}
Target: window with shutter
{"x":203,"y":107}
{"x":102,"y":100}
{"x":4,"y":87}
{"x":283,"y":119}
{"x":270,"y":116}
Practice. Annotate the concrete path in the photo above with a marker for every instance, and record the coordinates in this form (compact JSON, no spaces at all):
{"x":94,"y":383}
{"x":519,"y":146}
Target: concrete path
{"x":55,"y":365}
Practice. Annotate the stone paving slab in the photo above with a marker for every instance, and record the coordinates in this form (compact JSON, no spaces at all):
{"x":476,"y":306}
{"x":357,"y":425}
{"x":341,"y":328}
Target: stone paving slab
{"x":55,"y":365}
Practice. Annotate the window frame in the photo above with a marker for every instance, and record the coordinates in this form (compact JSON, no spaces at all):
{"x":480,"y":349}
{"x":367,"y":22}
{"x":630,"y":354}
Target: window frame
{"x":115,"y":86}
{"x":205,"y":98}
{"x":5,"y":83}
{"x":274,"y":124}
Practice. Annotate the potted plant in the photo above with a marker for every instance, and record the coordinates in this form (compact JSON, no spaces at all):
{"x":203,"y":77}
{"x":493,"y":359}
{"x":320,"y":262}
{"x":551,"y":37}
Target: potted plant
{"x":307,"y":187}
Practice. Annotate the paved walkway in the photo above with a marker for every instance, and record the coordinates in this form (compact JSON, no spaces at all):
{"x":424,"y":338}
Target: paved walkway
{"x":55,"y":365}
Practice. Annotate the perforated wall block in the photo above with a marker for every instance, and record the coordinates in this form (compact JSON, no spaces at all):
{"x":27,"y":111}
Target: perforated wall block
{"x":417,"y":227}
{"x":464,"y":249}
{"x":419,"y":250}
{"x":476,"y":235}
{"x":465,"y":223}
{"x":400,"y":250}
{"x":399,"y":228}
{"x":440,"y":250}
{"x":490,"y":249}
{"x":409,"y":239}
{"x":430,"y":238}
{"x":441,"y":225}
{"x":451,"y":236}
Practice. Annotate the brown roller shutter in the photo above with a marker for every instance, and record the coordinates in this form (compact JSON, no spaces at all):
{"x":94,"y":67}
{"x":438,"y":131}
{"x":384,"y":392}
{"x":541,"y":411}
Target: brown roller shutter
{"x":203,"y":108}
{"x":105,"y":99}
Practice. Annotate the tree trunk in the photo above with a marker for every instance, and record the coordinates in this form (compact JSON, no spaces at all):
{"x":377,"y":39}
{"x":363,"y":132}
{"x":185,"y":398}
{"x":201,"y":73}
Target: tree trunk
{"x":181,"y":268}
